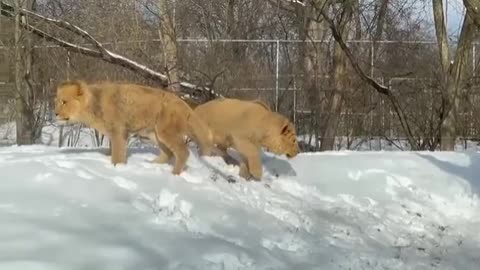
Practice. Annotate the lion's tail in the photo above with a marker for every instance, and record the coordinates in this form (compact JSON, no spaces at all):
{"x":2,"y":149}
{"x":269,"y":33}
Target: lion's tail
{"x":201,"y":133}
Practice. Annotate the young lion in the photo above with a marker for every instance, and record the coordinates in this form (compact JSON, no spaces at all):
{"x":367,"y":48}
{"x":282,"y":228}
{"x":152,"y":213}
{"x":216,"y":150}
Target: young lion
{"x":247,"y":126}
{"x":118,"y":110}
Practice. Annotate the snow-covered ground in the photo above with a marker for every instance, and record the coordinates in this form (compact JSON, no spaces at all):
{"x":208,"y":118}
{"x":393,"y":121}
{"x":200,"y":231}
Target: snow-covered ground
{"x":69,"y":208}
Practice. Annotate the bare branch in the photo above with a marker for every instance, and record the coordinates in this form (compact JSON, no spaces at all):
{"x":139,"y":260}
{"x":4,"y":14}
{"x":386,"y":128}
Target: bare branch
{"x":279,"y":4}
{"x":377,"y":86}
{"x":300,"y":2}
{"x":67,"y":26}
{"x":101,"y":52}
{"x":60,"y":42}
{"x":382,"y":89}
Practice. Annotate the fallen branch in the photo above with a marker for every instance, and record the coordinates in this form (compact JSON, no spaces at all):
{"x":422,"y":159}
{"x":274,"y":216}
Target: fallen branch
{"x":101,"y":52}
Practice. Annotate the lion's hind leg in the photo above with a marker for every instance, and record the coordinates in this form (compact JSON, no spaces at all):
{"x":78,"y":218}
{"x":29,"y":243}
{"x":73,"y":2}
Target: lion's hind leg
{"x":199,"y":131}
{"x":165,"y":154}
{"x":221,"y":151}
{"x":175,"y":144}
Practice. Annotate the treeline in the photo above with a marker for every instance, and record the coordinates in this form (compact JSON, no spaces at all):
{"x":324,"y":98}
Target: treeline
{"x":351,"y":68}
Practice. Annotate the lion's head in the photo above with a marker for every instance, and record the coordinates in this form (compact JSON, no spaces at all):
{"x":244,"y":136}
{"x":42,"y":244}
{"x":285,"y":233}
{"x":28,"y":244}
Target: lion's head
{"x":282,"y":138}
{"x":70,"y":101}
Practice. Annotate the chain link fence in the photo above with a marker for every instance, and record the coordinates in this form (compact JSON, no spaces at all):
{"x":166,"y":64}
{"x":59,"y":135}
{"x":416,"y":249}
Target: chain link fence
{"x":270,"y":70}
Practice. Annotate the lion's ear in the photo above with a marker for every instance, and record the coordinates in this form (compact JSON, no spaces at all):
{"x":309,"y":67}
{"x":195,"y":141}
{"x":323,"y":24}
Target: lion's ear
{"x":80,"y":91}
{"x":78,"y":85}
{"x":81,"y":88}
{"x":284,"y":129}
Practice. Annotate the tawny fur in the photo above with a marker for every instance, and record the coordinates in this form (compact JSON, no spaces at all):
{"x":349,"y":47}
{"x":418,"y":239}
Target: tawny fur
{"x":247,"y":126}
{"x":118,"y":110}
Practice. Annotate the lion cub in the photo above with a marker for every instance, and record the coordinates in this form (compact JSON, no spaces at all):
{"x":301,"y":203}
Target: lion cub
{"x":118,"y":110}
{"x":247,"y":126}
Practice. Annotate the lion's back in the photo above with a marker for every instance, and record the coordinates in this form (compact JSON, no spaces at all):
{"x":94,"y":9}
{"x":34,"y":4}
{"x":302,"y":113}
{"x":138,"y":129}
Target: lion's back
{"x":234,"y":116}
{"x":138,"y":106}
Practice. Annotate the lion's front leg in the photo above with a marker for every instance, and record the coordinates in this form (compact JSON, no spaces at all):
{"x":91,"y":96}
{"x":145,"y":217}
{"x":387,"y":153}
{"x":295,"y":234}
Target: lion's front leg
{"x":251,"y":165}
{"x":119,"y":147}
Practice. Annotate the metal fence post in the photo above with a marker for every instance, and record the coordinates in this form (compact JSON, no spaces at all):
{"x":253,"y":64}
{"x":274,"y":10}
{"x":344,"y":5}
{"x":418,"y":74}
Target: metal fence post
{"x":276,"y":75}
{"x":294,"y":101}
{"x":473,"y":56}
{"x":372,"y":64}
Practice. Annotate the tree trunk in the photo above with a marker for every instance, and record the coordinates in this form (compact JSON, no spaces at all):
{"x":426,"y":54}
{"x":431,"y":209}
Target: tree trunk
{"x":455,"y":82}
{"x":381,"y":15}
{"x":340,"y":82}
{"x":169,"y":43}
{"x":447,"y":130}
{"x":453,"y":75}
{"x":25,"y":117}
{"x":473,"y":9}
{"x":379,"y":25}
{"x":357,"y":18}
{"x":310,"y":58}
{"x":441,"y":33}
{"x":237,"y":49}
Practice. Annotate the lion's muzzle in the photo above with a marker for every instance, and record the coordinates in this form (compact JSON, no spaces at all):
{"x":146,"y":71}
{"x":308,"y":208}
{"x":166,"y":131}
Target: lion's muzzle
{"x":291,"y":155}
{"x":59,"y":118}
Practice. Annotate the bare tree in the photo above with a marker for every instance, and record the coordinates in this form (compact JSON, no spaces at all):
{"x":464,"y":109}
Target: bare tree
{"x":333,"y":79}
{"x":340,"y":78}
{"x":169,"y":42}
{"x":310,"y":61}
{"x":25,"y":118}
{"x":455,"y":74}
{"x":381,"y":89}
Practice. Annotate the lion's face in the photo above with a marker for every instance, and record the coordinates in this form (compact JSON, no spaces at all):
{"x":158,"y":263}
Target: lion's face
{"x":69,"y":102}
{"x":283,"y":141}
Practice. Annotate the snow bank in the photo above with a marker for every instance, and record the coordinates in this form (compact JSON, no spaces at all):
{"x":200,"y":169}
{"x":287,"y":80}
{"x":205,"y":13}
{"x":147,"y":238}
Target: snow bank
{"x":70,"y":208}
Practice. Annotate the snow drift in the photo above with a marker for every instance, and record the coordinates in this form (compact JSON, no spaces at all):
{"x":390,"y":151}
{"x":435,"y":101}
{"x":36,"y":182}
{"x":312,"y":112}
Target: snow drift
{"x":69,"y":208}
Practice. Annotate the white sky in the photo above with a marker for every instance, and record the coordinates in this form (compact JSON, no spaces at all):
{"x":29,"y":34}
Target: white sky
{"x":454,"y":15}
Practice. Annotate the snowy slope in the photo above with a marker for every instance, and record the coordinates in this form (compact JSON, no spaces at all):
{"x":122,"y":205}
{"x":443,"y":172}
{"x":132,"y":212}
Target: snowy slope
{"x":70,"y":209}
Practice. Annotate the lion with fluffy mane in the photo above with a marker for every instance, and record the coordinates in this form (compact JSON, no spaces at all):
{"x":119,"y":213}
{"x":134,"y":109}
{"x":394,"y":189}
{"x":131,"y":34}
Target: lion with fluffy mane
{"x":120,"y":109}
{"x":247,"y":126}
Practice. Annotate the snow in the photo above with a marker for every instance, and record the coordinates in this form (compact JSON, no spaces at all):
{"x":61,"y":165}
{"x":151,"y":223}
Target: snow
{"x":69,"y":208}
